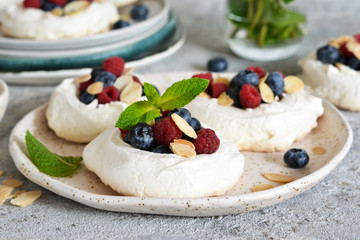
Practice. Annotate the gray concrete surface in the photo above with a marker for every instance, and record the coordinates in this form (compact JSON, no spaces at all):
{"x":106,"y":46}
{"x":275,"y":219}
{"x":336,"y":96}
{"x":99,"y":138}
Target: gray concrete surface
{"x":328,"y":211}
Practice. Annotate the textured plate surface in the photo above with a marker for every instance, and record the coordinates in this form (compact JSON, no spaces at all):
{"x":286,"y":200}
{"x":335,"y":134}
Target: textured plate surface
{"x":4,"y":97}
{"x":333,"y":133}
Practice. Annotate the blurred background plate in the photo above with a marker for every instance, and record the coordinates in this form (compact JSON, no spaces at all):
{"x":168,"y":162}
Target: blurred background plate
{"x":158,"y":10}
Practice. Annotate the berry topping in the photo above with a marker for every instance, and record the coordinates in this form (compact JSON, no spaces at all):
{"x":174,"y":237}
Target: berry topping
{"x":327,"y":54}
{"x":115,"y":65}
{"x":345,"y":51}
{"x":276,"y":82}
{"x":184,"y":113}
{"x":105,"y":77}
{"x":217,"y":64}
{"x":354,"y":63}
{"x":86,"y":97}
{"x":296,"y":158}
{"x":141,"y":136}
{"x":165,"y":131}
{"x":95,"y":71}
{"x":59,"y":2}
{"x":108,"y":94}
{"x":48,"y":6}
{"x":234,"y":95}
{"x":195,"y":124}
{"x":357,"y":37}
{"x":206,"y":142}
{"x":120,"y":24}
{"x":218,"y":88}
{"x":32,"y":3}
{"x":139,"y":12}
{"x":207,"y":76}
{"x":161,"y":149}
{"x":84,"y":85}
{"x":136,"y":79}
{"x":249,"y":96}
{"x":244,"y":77}
{"x":258,"y":70}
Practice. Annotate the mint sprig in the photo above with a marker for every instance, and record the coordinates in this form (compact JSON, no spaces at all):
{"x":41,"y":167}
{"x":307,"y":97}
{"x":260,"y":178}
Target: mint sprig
{"x":176,"y":96}
{"x":49,"y":162}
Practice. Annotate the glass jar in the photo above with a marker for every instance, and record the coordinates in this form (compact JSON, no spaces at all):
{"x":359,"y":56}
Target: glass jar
{"x":263,"y":30}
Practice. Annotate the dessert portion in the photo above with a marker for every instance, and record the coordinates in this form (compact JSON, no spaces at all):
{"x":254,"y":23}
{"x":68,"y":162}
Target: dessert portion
{"x":258,"y":111}
{"x":160,"y":150}
{"x":333,"y":72}
{"x":80,"y":109}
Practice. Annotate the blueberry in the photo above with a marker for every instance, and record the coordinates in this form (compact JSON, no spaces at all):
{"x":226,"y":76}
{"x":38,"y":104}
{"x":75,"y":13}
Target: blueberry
{"x":86,"y":97}
{"x":139,"y":12}
{"x":141,"y":136}
{"x":327,"y":54}
{"x":296,"y":158}
{"x":195,"y":124}
{"x":276,"y":83}
{"x":354,"y":63}
{"x":106,"y":77}
{"x":95,"y":71}
{"x":161,"y":149}
{"x":234,"y":94}
{"x":120,"y":24}
{"x":244,"y":77}
{"x":126,"y":139}
{"x":184,"y":113}
{"x":48,"y":6}
{"x":342,"y":59}
{"x":217,"y":64}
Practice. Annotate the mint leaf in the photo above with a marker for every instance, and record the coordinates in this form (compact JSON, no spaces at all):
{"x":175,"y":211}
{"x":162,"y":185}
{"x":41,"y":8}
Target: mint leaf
{"x":49,"y":162}
{"x":142,"y":111}
{"x":182,"y":93}
{"x":151,"y":94}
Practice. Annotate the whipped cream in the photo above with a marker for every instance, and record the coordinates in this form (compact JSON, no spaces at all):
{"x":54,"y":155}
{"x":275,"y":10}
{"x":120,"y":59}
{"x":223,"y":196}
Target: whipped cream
{"x":19,"y":22}
{"x":340,"y":87}
{"x":6,"y":3}
{"x":269,"y":127}
{"x":75,"y":121}
{"x":136,"y":172}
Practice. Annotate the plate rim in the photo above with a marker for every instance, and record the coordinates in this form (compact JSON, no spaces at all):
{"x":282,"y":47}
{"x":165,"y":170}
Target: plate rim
{"x":228,"y":203}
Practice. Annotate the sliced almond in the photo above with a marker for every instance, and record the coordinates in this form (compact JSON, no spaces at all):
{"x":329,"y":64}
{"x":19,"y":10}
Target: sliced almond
{"x":83,"y":78}
{"x":18,"y":193}
{"x":183,"y":125}
{"x":122,"y":81}
{"x":57,"y":11}
{"x":275,"y":177}
{"x":352,"y":46}
{"x":127,"y":71}
{"x":131,"y":93}
{"x":26,"y":198}
{"x":263,"y":79}
{"x":356,"y":52}
{"x":182,"y":150}
{"x":95,"y":88}
{"x":185,"y":142}
{"x":261,"y":187}
{"x":340,"y":41}
{"x":204,"y":95}
{"x":293,"y":84}
{"x":266,"y":93}
{"x":1,"y":173}
{"x":5,"y":192}
{"x":99,"y":1}
{"x":318,"y":150}
{"x":226,"y":81}
{"x":339,"y":66}
{"x":225,"y":100}
{"x":76,"y":7}
{"x":12,"y":183}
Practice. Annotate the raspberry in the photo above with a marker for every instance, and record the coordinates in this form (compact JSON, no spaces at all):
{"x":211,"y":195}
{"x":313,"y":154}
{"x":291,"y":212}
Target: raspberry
{"x":258,"y":70}
{"x":345,"y":51}
{"x":207,"y":76}
{"x":357,"y":37}
{"x":32,"y":3}
{"x":218,"y":88}
{"x":249,"y":96}
{"x":165,"y":131}
{"x":136,"y":79}
{"x":83,"y":86}
{"x":108,"y":94}
{"x":59,"y":2}
{"x":115,"y":65}
{"x":206,"y":142}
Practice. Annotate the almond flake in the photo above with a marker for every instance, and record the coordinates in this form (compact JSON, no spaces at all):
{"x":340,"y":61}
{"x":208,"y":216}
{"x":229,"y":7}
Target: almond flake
{"x":339,"y":66}
{"x":18,"y":193}
{"x":122,"y":81}
{"x":185,"y":142}
{"x":182,"y":150}
{"x":266,"y":93}
{"x":275,"y":177}
{"x":57,"y":11}
{"x":83,"y":78}
{"x":131,"y":93}
{"x":318,"y":150}
{"x":95,"y":88}
{"x":1,"y":173}
{"x":293,"y":84}
{"x":26,"y":198}
{"x":99,"y":1}
{"x":352,"y":46}
{"x":127,"y":71}
{"x":75,"y":7}
{"x":12,"y":183}
{"x":340,"y":41}
{"x":183,"y":125}
{"x":356,"y":52}
{"x":261,"y":187}
{"x":226,"y":81}
{"x":263,"y":79}
{"x":225,"y":100}
{"x":204,"y":95}
{"x":5,"y":192}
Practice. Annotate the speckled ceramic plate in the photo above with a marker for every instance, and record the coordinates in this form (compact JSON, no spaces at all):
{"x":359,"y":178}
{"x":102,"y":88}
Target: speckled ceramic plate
{"x":4,"y":97}
{"x":333,"y":133}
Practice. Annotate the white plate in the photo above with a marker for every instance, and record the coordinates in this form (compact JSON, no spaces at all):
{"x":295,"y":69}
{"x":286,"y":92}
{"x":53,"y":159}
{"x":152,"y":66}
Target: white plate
{"x":158,"y":10}
{"x":4,"y":97}
{"x":333,"y":133}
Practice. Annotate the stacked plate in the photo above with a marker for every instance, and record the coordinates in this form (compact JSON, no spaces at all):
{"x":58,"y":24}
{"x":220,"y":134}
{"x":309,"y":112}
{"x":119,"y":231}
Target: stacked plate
{"x":136,"y":43}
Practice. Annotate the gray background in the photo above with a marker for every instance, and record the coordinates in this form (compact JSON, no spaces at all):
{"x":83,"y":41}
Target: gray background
{"x":330,"y":210}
